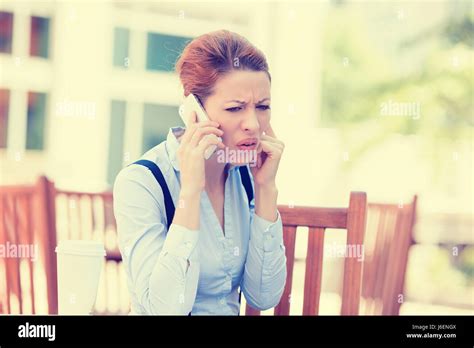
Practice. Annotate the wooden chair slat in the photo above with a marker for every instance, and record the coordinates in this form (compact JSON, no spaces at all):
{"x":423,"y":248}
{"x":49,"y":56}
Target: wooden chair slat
{"x":3,"y":239}
{"x":381,"y":253}
{"x":356,"y":219}
{"x":29,"y":221}
{"x":314,"y":271}
{"x":313,"y":216}
{"x":46,"y":220}
{"x":289,"y":239}
{"x":15,"y":261}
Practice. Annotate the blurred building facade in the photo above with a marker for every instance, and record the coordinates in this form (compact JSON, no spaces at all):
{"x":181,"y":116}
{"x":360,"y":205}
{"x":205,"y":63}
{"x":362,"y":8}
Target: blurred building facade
{"x":86,"y":88}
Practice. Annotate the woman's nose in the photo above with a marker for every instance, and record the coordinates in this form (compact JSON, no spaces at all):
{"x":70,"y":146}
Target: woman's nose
{"x":250,"y":123}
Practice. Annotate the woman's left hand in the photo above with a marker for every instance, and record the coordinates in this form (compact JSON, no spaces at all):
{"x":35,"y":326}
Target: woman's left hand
{"x":268,"y":158}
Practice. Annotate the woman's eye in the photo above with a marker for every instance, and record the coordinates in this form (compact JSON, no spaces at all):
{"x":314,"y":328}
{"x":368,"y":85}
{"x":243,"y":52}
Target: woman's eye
{"x":263,"y":107}
{"x":234,"y":109}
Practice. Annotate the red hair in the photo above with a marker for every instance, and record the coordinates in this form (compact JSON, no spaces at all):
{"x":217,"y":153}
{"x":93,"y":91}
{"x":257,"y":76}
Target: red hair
{"x":212,"y":55}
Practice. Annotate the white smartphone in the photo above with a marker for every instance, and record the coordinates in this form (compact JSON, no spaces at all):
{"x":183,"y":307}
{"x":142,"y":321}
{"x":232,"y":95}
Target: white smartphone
{"x":191,"y":103}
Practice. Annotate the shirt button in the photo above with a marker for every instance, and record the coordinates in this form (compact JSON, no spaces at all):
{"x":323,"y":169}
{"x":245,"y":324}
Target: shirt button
{"x":269,"y":236}
{"x":222,"y":301}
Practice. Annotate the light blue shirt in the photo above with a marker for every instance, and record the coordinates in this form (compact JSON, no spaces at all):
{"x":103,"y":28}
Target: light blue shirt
{"x":181,"y":270}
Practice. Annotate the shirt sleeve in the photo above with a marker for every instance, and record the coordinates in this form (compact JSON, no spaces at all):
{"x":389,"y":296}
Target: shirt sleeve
{"x":265,"y":268}
{"x":162,"y":267}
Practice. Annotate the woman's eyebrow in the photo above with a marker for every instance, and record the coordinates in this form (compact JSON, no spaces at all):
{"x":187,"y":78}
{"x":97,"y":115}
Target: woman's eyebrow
{"x":235,"y":100}
{"x":242,"y":102}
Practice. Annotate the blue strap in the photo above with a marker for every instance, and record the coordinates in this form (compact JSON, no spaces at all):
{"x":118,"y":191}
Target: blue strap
{"x":169,"y":205}
{"x":245,"y":177}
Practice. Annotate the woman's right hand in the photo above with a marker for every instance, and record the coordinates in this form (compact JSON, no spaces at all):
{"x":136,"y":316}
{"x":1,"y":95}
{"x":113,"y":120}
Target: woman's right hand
{"x":194,"y":142}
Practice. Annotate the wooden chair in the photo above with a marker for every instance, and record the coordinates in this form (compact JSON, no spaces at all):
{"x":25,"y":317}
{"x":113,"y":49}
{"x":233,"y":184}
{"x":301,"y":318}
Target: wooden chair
{"x":317,"y":220}
{"x":389,"y":237}
{"x":27,"y":219}
{"x":43,"y":215}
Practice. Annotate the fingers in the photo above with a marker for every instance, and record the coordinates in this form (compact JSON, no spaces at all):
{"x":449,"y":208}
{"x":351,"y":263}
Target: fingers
{"x":271,"y":137}
{"x":268,"y":146}
{"x":192,"y":118}
{"x":191,"y":128}
{"x":267,"y":149}
{"x":269,"y":131}
{"x":200,"y":132}
{"x":272,"y":148}
{"x":254,"y":166}
{"x":272,"y":140}
{"x":208,"y":140}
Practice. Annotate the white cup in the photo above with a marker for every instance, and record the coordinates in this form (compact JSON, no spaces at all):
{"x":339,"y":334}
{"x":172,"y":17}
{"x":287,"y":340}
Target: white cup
{"x":79,"y":265}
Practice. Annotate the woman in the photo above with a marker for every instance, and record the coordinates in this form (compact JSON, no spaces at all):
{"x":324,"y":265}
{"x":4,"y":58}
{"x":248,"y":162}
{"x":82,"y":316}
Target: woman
{"x":218,"y":244}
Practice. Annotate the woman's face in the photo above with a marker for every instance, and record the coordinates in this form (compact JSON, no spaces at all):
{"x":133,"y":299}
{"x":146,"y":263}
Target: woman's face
{"x":241,"y":105}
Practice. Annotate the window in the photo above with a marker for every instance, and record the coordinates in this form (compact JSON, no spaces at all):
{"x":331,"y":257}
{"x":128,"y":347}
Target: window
{"x":163,"y":51}
{"x":157,"y":119}
{"x":36,"y":117}
{"x":6,"y":30}
{"x":39,"y":37}
{"x":118,"y":111}
{"x":4,"y":107}
{"x":121,"y":43}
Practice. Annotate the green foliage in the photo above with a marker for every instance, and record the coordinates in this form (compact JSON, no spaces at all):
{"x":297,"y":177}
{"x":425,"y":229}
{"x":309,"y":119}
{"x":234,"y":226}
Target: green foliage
{"x":359,"y":77}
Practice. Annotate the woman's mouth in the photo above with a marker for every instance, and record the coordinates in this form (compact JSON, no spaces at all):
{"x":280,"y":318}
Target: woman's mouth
{"x":248,"y":144}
